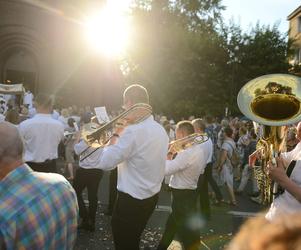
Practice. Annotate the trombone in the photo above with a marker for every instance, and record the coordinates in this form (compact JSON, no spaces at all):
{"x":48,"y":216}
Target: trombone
{"x":98,"y":136}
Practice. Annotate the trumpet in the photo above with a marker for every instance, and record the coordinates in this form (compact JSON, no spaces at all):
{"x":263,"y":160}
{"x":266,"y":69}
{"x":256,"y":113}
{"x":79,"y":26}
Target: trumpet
{"x":186,"y":142}
{"x":97,"y":136}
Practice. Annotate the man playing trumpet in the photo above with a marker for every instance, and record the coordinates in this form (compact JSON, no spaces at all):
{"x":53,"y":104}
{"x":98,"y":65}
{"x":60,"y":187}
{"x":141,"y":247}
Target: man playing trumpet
{"x":185,"y":170}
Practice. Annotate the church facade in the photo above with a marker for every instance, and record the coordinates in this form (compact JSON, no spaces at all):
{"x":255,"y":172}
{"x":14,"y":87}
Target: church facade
{"x":43,"y":46}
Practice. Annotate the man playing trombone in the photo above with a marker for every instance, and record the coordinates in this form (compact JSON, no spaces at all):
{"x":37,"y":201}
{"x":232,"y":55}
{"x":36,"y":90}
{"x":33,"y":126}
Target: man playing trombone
{"x":140,"y":151}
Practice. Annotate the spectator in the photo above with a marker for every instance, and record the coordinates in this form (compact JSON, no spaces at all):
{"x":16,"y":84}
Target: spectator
{"x":37,"y":211}
{"x":260,"y":234}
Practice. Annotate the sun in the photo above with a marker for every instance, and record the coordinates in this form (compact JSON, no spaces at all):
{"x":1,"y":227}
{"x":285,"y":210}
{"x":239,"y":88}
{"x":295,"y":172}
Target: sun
{"x":108,"y":31}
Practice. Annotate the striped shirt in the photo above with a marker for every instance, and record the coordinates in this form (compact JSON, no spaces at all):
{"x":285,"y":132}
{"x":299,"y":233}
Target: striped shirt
{"x":37,"y":211}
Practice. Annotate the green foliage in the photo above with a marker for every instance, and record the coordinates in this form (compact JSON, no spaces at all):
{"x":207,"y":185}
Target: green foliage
{"x":191,"y":62}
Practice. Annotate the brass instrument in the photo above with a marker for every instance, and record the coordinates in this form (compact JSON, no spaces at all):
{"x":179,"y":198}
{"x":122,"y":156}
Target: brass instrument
{"x":186,"y":142}
{"x":272,"y":101}
{"x":97,"y":136}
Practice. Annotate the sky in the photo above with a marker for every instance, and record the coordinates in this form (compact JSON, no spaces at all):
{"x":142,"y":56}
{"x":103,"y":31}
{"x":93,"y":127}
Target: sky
{"x":248,"y":12}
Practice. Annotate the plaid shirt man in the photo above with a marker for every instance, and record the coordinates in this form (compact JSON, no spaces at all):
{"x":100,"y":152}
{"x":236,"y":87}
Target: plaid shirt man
{"x":37,"y":211}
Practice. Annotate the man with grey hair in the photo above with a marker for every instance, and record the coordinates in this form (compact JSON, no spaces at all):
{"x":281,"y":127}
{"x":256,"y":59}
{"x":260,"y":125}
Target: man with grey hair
{"x":37,"y":210}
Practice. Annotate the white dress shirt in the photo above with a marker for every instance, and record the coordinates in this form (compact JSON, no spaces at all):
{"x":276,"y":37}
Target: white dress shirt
{"x":207,"y":146}
{"x":83,"y":150}
{"x":186,"y":168}
{"x":140,"y":154}
{"x":286,"y":203}
{"x":42,"y":135}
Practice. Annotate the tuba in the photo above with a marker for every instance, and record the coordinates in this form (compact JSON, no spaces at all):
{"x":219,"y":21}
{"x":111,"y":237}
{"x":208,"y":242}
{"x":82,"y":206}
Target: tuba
{"x":273,"y":101}
{"x":186,"y":142}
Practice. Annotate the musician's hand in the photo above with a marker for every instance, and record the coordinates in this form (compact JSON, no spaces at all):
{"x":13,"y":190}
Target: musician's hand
{"x":253,"y":157}
{"x":170,"y":156}
{"x":277,"y":171}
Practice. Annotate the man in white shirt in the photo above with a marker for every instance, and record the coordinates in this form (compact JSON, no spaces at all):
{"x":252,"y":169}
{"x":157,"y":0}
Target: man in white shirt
{"x":42,"y":135}
{"x":140,"y":152}
{"x":87,"y":176}
{"x":207,"y":152}
{"x":185,"y":170}
{"x":28,"y":99}
{"x":289,"y":201}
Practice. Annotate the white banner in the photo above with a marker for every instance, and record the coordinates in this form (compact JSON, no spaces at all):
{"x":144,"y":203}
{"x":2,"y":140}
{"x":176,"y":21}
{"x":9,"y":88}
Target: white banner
{"x":13,"y":89}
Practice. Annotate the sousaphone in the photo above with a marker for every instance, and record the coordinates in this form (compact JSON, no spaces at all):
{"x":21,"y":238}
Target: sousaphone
{"x":273,"y":101}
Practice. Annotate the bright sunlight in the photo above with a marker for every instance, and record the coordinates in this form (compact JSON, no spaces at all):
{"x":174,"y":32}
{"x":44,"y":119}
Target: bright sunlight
{"x":108,"y":30}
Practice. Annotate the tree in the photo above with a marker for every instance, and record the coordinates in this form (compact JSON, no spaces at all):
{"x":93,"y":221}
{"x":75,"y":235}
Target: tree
{"x":191,"y":62}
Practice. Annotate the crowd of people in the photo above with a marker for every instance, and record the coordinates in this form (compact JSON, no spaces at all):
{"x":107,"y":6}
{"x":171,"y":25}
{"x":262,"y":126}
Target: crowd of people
{"x":39,"y":208}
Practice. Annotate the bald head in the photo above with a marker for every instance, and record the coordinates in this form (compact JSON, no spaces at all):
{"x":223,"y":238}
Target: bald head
{"x":11,"y":144}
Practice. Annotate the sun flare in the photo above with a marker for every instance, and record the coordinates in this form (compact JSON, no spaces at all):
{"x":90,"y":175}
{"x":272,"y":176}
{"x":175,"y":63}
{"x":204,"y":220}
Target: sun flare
{"x":108,"y":32}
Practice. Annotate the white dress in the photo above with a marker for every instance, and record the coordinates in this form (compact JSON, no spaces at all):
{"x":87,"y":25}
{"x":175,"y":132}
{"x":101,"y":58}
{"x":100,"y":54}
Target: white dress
{"x":227,"y":169}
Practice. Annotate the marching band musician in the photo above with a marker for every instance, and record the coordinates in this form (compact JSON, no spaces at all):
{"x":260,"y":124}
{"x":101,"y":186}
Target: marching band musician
{"x":288,"y":199}
{"x":204,"y":179}
{"x":87,"y":176}
{"x":42,"y":135}
{"x":140,"y":152}
{"x":185,"y":170}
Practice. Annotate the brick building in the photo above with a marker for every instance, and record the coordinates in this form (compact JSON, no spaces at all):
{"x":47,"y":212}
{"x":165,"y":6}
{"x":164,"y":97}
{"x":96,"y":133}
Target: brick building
{"x":295,"y":34}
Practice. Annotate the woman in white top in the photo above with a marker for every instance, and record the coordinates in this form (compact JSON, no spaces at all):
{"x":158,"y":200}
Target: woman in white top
{"x":224,"y":165}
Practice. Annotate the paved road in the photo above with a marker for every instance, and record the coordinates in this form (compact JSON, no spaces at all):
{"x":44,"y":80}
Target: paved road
{"x":225,"y":222}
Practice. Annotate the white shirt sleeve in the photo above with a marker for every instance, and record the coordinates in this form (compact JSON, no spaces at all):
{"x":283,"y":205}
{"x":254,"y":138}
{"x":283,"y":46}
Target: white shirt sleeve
{"x":293,"y":155}
{"x":80,"y":147}
{"x":115,"y":154}
{"x":181,"y":162}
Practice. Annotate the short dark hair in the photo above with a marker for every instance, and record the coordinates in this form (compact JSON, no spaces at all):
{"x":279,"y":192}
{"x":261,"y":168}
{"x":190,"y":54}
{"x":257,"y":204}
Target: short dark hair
{"x":186,"y":126}
{"x":43,"y":100}
{"x":199,"y":123}
{"x":228,"y":131}
{"x":136,"y":93}
{"x":71,"y":122}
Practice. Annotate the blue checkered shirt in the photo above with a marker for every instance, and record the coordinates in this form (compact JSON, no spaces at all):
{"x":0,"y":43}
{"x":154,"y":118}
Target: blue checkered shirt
{"x":37,"y":211}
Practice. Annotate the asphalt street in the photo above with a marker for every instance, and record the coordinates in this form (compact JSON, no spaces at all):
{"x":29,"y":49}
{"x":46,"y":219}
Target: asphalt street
{"x":224,"y":223}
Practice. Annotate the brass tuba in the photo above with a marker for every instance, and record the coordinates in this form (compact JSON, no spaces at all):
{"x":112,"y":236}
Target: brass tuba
{"x":272,"y":101}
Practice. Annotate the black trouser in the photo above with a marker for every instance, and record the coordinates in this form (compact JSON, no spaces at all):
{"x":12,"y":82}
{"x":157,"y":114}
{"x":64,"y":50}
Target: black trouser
{"x":204,"y":196}
{"x":183,"y":220}
{"x":212,"y":182}
{"x":112,"y":189}
{"x":129,"y":219}
{"x":87,"y":178}
{"x":48,"y":166}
